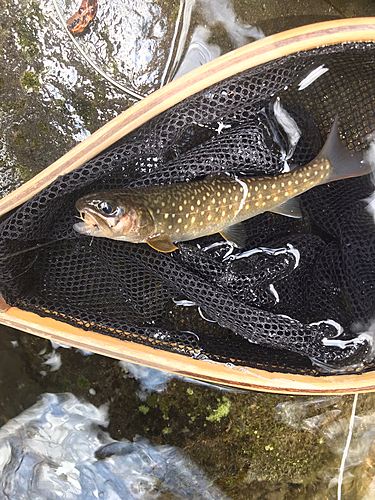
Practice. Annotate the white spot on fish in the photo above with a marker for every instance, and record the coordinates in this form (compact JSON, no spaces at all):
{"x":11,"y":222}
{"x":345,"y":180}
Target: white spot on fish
{"x":179,"y":220}
{"x":166,"y":216}
{"x":193,"y":219}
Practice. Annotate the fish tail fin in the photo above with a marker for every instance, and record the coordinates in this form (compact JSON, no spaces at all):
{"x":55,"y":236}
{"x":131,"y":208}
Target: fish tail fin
{"x":344,"y":162}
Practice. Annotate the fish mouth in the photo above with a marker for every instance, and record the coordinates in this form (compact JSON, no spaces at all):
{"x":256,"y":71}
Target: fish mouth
{"x":90,"y":224}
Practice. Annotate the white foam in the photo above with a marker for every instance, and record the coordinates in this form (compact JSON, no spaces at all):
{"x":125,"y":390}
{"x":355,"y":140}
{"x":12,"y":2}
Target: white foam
{"x":311,"y":77}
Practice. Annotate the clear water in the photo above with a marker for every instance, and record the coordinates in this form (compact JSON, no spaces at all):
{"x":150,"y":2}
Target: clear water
{"x":121,"y":431}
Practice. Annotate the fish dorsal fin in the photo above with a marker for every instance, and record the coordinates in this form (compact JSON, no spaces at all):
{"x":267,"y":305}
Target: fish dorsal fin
{"x":235,"y":234}
{"x":161,"y":244}
{"x":290,"y":208}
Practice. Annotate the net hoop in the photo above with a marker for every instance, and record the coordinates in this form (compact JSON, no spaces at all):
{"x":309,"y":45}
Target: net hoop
{"x":254,"y":54}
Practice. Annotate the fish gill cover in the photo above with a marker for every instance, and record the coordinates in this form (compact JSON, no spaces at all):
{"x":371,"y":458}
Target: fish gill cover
{"x":299,"y":292}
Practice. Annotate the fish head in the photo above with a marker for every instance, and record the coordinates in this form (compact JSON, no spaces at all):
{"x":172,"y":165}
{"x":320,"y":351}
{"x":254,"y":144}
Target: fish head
{"x":113,"y":215}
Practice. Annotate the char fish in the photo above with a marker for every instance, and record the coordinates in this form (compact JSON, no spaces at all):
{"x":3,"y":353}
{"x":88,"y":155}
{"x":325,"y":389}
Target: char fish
{"x":164,"y":215}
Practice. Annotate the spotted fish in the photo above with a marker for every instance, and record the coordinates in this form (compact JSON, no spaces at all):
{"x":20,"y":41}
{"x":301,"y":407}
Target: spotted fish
{"x":164,"y":215}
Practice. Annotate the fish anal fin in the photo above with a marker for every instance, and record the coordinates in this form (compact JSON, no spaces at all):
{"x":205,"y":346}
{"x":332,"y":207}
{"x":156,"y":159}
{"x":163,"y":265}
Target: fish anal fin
{"x":162,"y":244}
{"x":290,"y":208}
{"x":235,"y":234}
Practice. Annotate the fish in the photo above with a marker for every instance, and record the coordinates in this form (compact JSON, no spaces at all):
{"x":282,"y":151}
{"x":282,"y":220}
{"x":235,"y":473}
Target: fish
{"x":164,"y":215}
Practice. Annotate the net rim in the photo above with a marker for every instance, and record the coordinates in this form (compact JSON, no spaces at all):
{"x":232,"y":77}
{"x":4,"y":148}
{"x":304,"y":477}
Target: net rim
{"x":259,"y":52}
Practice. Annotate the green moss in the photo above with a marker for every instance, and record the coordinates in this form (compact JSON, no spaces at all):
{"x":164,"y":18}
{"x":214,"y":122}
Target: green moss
{"x":25,"y":173}
{"x":19,"y":140}
{"x":144,"y":409}
{"x":13,"y":106}
{"x":27,"y":30}
{"x":221,"y":411}
{"x":173,"y":12}
{"x":36,"y":143}
{"x":43,"y":128}
{"x":153,"y":399}
{"x":30,"y":81}
{"x":83,"y":383}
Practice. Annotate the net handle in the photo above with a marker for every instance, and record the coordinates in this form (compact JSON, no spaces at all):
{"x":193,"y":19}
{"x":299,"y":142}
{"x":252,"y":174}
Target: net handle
{"x":248,"y":56}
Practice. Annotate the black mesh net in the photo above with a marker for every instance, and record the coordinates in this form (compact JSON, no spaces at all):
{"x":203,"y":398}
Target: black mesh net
{"x":267,"y":305}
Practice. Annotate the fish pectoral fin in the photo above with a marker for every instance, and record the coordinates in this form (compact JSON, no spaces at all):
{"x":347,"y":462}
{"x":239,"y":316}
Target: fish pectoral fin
{"x":161,"y":244}
{"x":235,"y":234}
{"x":290,"y":208}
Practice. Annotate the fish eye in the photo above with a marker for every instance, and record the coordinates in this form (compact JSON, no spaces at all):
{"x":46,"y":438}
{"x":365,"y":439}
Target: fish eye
{"x":106,"y":208}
